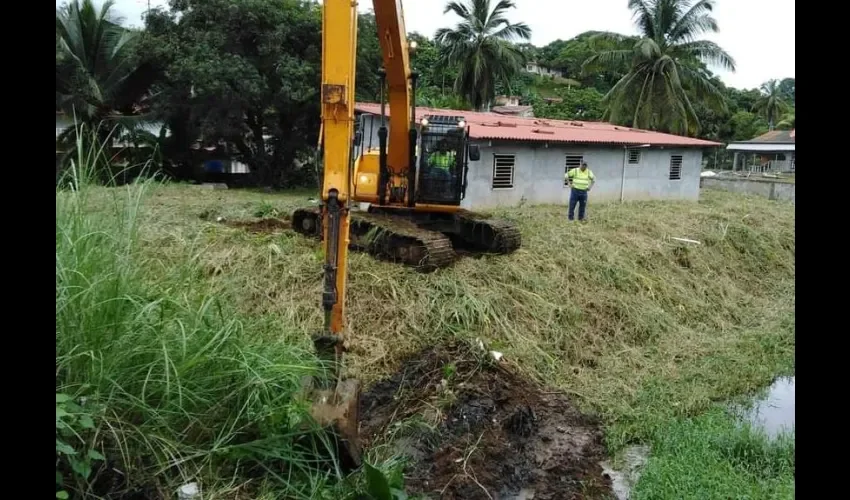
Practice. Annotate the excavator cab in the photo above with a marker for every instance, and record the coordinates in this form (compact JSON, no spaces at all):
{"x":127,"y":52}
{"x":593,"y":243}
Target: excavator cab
{"x":444,"y":154}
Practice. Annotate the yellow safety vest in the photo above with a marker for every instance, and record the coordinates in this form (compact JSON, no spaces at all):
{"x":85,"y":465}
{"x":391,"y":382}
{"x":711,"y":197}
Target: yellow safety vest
{"x":581,"y":180}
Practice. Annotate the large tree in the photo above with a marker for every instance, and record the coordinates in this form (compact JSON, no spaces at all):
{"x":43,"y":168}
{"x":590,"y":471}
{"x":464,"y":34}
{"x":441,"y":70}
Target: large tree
{"x":771,"y":104}
{"x":481,"y":47}
{"x":241,"y":74}
{"x":662,"y":68}
{"x":99,"y":81}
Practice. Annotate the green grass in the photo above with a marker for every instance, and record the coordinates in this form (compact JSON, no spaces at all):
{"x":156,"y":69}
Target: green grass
{"x":711,"y":457}
{"x":157,"y":377}
{"x":638,"y":328}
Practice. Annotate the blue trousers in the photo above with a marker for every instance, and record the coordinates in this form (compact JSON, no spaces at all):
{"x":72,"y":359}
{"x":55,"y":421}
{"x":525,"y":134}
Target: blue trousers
{"x":580,"y":197}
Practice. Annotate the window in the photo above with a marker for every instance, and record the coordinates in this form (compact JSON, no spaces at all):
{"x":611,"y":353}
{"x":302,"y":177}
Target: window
{"x":634,"y":156}
{"x":675,"y":167}
{"x":503,"y":171}
{"x":573,"y":161}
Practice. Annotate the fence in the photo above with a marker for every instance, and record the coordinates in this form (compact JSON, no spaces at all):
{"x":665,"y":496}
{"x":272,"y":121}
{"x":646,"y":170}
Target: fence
{"x":772,"y":190}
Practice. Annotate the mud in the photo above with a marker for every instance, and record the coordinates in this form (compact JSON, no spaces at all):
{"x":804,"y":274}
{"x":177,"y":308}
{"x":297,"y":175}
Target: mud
{"x":262,"y":225}
{"x":474,"y":429}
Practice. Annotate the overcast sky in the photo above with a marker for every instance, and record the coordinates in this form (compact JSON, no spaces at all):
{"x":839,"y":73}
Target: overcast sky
{"x":759,"y":34}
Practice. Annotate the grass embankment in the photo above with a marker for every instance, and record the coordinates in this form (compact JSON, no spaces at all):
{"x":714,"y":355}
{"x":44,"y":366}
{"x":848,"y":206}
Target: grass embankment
{"x":638,"y":328}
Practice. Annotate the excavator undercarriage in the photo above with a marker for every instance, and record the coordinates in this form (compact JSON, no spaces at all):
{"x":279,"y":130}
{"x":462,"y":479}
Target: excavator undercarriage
{"x":423,"y":240}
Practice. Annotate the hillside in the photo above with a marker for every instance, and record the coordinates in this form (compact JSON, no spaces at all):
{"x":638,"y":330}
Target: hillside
{"x":632,"y":326}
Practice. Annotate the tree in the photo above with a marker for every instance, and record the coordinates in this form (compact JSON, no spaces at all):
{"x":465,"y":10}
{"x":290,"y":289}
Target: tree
{"x":771,"y":105}
{"x":243,"y":75}
{"x":480,"y":46}
{"x":788,"y":121}
{"x":369,"y":58}
{"x":99,"y":80}
{"x":788,"y":90}
{"x":745,"y":126}
{"x":662,"y":69}
{"x":571,"y":104}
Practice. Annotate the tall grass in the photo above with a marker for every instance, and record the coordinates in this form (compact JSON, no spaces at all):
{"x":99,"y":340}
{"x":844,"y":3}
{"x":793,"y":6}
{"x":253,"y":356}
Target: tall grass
{"x":160,"y":382}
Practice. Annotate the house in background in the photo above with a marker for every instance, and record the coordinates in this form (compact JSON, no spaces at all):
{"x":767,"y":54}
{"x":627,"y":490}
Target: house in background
{"x":509,"y":105}
{"x":770,"y":152}
{"x":212,"y":159}
{"x":538,"y":69}
{"x":524,"y":160}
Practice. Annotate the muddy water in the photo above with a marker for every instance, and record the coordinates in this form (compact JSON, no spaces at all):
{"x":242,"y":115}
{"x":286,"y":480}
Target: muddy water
{"x":624,"y":479}
{"x":774,"y":412}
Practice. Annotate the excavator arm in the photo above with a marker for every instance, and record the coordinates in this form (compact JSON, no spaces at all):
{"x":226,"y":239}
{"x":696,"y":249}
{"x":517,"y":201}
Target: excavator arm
{"x":335,"y":400}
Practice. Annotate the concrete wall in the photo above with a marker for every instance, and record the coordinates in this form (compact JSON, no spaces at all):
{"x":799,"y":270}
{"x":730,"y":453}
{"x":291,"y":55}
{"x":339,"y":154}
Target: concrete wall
{"x":539,"y":172}
{"x":779,"y":191}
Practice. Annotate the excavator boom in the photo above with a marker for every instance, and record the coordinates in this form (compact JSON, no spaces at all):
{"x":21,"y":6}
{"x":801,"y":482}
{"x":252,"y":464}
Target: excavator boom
{"x":389,"y":18}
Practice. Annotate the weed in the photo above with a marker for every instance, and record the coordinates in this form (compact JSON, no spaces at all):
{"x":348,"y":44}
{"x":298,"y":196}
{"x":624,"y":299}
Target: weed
{"x":712,"y":456}
{"x":266,"y":210}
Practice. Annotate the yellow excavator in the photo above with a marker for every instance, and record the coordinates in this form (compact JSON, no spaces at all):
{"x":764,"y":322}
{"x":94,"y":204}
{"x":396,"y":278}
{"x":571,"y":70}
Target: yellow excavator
{"x":414,"y":183}
{"x":415,"y":179}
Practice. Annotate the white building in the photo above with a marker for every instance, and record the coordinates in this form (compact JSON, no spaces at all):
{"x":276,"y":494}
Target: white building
{"x":523,"y":160}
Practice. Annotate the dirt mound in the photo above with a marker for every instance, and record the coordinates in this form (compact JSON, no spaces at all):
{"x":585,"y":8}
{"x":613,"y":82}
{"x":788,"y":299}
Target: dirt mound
{"x":474,"y":429}
{"x":262,"y":225}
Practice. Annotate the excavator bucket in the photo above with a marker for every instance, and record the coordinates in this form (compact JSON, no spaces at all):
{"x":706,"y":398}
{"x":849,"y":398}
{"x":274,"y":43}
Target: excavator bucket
{"x":335,"y":410}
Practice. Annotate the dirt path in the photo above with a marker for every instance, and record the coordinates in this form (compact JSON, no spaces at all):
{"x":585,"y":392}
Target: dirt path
{"x":475,"y":430}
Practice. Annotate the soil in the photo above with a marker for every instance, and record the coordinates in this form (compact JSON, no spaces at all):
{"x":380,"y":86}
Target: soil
{"x":262,"y":225}
{"x":484,"y":431}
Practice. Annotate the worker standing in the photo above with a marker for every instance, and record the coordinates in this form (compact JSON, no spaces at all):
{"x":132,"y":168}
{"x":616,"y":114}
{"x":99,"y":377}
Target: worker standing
{"x":580,"y":180}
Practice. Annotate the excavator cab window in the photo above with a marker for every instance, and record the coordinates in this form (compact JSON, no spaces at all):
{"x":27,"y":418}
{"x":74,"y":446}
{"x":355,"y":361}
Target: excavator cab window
{"x":441,"y":162}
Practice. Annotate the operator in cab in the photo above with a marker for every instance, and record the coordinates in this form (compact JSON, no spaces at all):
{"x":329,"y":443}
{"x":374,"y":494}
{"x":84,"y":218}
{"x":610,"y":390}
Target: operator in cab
{"x":581,"y":181}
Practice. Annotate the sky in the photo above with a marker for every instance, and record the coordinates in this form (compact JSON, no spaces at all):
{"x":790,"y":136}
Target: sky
{"x":759,"y":34}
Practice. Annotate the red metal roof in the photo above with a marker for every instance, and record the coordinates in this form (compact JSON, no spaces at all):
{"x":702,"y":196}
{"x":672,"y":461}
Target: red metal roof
{"x":496,"y":126}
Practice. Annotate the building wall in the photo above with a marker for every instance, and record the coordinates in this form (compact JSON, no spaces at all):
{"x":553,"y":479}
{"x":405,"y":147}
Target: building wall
{"x":539,"y":172}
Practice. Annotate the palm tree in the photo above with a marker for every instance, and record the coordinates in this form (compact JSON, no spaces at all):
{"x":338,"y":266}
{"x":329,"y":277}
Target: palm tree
{"x":665,"y":68}
{"x":98,"y":81}
{"x":481,"y":47}
{"x":771,"y":104}
{"x":788,"y":121}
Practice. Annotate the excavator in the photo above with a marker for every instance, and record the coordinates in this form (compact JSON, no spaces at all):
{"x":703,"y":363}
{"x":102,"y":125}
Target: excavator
{"x":414,"y":181}
{"x":414,"y":213}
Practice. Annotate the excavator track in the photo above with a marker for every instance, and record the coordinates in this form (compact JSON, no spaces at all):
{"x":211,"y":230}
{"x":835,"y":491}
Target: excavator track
{"x":490,"y":235}
{"x":384,"y":236}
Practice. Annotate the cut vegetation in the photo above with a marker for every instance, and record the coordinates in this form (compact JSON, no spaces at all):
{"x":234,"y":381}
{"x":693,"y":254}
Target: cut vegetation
{"x":182,"y":340}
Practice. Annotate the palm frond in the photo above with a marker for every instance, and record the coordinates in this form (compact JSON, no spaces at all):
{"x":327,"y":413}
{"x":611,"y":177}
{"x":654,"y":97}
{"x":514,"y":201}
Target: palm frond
{"x":693,"y":22}
{"x":644,"y":17}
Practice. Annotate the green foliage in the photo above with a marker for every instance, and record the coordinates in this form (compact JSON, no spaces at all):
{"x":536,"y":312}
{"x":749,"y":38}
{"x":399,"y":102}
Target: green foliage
{"x":266,"y":210}
{"x":98,"y":77}
{"x":712,"y":456}
{"x":664,"y":70}
{"x":481,"y":49}
{"x":744,"y":126}
{"x":574,"y":104}
{"x":246,"y":74}
{"x":369,"y":59}
{"x":74,"y":427}
{"x":771,"y":104}
{"x":379,"y":485}
{"x":178,"y":384}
